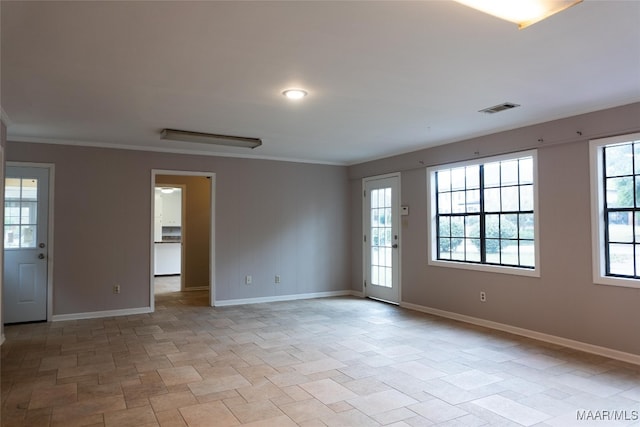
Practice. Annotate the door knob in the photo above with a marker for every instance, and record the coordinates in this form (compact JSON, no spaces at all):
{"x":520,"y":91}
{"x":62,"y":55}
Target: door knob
{"x":40,"y":256}
{"x":395,"y":246}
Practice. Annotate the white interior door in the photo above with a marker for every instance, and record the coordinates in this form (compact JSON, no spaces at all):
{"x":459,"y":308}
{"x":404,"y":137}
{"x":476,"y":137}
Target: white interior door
{"x":382,"y":237}
{"x":26,"y":208}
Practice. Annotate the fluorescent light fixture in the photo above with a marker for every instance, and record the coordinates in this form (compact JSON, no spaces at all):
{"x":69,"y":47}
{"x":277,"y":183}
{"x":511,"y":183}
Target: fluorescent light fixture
{"x":521,"y":12}
{"x":295,"y":93}
{"x":210,"y":138}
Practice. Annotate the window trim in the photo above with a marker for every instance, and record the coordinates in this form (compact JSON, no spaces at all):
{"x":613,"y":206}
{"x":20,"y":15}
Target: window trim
{"x":432,"y":249}
{"x":597,"y":212}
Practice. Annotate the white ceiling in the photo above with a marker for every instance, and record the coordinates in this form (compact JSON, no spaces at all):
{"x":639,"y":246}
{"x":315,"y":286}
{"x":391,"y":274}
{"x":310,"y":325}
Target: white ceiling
{"x":383,"y":77}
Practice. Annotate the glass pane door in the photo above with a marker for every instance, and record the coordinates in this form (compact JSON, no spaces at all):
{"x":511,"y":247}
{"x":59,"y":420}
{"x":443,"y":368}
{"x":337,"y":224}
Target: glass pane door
{"x":382,"y":237}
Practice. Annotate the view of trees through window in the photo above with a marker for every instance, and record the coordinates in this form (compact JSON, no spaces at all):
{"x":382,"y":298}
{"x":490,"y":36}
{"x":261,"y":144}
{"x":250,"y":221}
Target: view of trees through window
{"x":621,"y":166}
{"x":485,"y":213}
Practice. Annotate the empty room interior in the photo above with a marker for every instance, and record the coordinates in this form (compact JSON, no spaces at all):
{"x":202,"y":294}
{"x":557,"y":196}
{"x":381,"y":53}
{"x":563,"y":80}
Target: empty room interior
{"x":281,"y":213}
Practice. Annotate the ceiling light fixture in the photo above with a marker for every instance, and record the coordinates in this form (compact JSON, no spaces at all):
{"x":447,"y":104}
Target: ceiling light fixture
{"x":210,"y":138}
{"x":521,"y":12}
{"x":295,"y":93}
{"x":166,"y":190}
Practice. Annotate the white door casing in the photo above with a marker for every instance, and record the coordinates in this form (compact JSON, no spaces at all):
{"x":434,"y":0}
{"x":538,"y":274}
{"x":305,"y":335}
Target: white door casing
{"x":26,"y":244}
{"x":381,"y":237}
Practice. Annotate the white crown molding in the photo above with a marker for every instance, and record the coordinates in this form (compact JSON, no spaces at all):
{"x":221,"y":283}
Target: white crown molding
{"x":94,"y":144}
{"x":553,"y":339}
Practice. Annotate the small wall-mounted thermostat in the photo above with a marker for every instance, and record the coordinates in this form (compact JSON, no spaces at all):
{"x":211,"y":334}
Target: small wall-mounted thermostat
{"x":404,"y":210}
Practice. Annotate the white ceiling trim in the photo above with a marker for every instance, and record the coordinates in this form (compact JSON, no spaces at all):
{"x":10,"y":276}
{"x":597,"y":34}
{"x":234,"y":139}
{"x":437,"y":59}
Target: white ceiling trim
{"x":164,"y":150}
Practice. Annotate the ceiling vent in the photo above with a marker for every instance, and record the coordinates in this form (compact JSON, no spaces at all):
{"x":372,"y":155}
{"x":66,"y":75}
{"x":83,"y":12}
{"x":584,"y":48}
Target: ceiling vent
{"x":499,"y":107}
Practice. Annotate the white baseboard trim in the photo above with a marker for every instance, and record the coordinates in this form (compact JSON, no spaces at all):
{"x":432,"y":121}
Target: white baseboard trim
{"x":196,"y":288}
{"x":553,"y":339}
{"x":358,"y":294}
{"x":144,"y":310}
{"x":280,"y":298}
{"x":99,"y":314}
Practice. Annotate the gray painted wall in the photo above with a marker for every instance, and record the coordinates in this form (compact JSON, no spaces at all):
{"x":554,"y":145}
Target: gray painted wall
{"x":564,"y":301}
{"x":271,"y":218}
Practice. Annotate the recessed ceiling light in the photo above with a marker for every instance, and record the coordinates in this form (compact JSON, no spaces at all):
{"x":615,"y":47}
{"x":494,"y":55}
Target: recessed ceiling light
{"x":295,"y":93}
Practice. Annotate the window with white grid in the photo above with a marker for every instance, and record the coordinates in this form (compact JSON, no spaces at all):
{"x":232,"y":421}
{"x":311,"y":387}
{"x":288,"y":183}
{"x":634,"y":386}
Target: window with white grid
{"x":483,"y":214}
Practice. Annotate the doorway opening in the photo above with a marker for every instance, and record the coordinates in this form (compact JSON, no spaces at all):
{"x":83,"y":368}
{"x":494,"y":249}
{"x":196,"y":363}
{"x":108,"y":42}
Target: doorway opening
{"x":169,"y":234}
{"x":182,"y":244}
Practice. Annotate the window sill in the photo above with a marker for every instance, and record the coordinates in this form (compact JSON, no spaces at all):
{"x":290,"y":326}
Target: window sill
{"x":487,"y":268}
{"x":617,"y":281}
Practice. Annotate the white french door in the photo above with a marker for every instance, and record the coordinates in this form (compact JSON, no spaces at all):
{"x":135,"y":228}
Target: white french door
{"x":26,"y":209}
{"x":382,"y":237}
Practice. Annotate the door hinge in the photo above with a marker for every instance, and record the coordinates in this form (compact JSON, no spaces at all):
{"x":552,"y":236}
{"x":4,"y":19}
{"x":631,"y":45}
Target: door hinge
{"x":365,"y":283}
{"x":364,"y":193}
{"x":365,"y":238}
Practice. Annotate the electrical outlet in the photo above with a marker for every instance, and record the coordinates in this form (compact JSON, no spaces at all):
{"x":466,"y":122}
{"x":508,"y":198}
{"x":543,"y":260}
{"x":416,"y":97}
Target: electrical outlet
{"x":483,"y":296}
{"x":247,"y":280}
{"x":277,"y":279}
{"x":116,"y":289}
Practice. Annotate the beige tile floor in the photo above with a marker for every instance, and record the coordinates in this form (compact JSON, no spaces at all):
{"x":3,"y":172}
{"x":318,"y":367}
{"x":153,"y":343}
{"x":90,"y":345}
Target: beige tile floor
{"x":166,"y":284}
{"x":323,"y":362}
